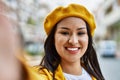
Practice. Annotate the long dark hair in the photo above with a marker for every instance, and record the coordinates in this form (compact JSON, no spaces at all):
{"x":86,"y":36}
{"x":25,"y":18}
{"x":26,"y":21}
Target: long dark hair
{"x":51,"y":60}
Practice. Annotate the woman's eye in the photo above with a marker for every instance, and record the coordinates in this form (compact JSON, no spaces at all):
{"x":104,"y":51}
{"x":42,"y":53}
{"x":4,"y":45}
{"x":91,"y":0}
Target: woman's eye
{"x":65,"y":33}
{"x":81,"y":33}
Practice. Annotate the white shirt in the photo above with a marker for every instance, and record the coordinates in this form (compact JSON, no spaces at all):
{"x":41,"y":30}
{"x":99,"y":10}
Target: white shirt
{"x":83,"y":76}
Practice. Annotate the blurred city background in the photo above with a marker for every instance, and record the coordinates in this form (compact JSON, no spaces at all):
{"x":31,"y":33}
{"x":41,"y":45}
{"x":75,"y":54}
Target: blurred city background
{"x":29,"y":16}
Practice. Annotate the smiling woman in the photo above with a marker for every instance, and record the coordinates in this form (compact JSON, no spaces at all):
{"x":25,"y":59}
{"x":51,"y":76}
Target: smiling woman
{"x":69,"y":53}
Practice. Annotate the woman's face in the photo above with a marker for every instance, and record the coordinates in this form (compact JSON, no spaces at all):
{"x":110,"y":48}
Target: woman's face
{"x":71,"y":39}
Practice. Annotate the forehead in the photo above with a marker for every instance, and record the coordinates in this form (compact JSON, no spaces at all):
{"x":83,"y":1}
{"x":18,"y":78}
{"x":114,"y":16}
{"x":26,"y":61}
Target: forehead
{"x":72,"y":20}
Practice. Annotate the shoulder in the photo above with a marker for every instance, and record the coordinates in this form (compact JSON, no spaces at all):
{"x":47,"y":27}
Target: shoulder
{"x":34,"y":75}
{"x":43,"y":72}
{"x":40,"y":69}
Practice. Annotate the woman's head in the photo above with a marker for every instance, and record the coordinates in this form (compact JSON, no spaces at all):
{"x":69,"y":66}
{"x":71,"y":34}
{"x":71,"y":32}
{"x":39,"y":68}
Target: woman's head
{"x":71,"y":36}
{"x":80,"y":26}
{"x":69,"y":30}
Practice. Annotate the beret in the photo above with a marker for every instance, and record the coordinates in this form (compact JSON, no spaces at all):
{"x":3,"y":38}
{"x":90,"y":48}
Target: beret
{"x":72,"y":10}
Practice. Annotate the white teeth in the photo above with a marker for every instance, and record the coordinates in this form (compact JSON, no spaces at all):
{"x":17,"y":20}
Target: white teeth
{"x":72,"y":49}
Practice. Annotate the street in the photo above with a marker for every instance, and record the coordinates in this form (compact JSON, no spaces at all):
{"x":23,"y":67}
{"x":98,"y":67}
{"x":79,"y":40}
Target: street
{"x":110,"y":68}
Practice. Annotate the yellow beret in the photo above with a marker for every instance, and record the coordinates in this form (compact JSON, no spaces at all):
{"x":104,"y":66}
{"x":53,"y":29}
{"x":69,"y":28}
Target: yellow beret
{"x":72,"y":10}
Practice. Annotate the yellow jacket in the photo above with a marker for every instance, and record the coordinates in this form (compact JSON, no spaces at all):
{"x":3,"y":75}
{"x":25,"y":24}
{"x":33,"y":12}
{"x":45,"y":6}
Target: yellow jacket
{"x":35,"y":73}
{"x":44,"y":74}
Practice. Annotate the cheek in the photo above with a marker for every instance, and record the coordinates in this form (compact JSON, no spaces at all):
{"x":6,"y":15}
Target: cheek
{"x":60,"y":41}
{"x":57,"y":40}
{"x":84,"y":41}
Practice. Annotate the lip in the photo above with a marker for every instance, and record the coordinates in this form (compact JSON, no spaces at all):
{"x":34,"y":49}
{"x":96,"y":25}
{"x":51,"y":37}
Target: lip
{"x":72,"y":50}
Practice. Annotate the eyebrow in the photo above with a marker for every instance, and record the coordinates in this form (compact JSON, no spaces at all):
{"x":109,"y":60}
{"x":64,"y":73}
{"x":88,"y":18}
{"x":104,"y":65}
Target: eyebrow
{"x":69,"y":29}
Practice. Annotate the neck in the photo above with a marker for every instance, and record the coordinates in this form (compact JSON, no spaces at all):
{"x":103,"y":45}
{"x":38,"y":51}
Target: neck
{"x":73,"y":68}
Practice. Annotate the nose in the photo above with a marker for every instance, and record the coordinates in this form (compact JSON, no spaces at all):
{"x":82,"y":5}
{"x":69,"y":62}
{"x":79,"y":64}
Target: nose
{"x":73,"y":39}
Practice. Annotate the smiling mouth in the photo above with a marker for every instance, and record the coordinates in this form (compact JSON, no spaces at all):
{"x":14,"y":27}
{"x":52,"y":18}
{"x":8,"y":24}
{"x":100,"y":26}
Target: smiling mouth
{"x":72,"y":49}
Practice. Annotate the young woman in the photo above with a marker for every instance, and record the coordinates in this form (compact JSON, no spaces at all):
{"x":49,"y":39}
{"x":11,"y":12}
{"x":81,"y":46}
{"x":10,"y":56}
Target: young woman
{"x":69,"y":53}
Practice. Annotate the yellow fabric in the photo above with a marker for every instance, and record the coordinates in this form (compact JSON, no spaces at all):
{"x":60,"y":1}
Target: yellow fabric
{"x":37,"y":73}
{"x":72,"y":10}
{"x":33,"y":75}
{"x":47,"y":75}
